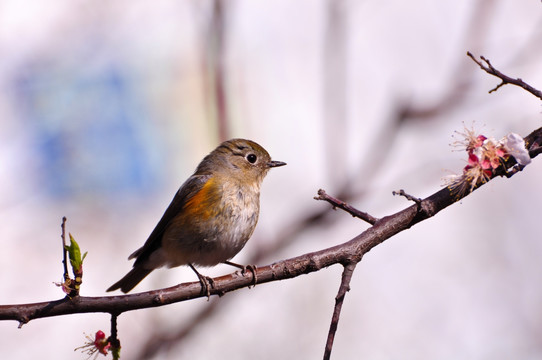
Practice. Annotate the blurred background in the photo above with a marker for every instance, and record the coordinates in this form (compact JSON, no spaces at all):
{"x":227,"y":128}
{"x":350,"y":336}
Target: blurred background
{"x":107,"y":107}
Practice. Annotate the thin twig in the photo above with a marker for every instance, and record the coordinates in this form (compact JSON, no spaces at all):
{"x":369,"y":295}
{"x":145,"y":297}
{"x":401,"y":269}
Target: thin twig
{"x":113,"y":339}
{"x":64,"y":250}
{"x":336,"y":203}
{"x":488,"y":68}
{"x":339,"y":299}
{"x":402,"y":192}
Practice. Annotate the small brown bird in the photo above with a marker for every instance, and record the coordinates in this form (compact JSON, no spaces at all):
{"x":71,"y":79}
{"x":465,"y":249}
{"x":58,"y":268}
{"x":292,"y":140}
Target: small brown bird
{"x":211,"y":217}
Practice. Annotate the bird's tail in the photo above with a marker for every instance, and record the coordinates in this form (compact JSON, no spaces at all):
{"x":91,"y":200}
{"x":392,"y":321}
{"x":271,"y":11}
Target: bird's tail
{"x":130,"y":280}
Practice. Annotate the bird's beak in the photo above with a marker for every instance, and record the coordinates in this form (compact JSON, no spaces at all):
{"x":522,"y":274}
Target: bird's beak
{"x":275,"y":164}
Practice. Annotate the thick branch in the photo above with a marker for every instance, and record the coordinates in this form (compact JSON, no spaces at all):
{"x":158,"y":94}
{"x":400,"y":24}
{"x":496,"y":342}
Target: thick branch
{"x":349,"y":252}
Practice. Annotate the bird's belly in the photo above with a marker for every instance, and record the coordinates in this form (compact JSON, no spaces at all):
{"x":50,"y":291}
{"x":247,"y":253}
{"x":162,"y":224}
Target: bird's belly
{"x":210,"y":242}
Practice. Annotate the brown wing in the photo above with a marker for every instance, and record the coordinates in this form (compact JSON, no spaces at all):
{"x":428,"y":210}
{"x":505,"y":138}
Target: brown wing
{"x":185,"y":193}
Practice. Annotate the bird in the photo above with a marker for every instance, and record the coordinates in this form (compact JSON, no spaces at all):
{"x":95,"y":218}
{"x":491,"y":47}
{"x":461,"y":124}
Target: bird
{"x":211,"y":217}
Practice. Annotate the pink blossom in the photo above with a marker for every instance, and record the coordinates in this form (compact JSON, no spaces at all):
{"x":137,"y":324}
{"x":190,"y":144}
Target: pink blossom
{"x":485,"y":155}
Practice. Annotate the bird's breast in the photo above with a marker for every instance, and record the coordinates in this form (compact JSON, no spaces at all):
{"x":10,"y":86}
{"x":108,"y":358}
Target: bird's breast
{"x":215,"y":227}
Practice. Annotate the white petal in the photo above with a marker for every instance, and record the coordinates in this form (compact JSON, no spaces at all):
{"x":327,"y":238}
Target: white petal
{"x":515,"y":146}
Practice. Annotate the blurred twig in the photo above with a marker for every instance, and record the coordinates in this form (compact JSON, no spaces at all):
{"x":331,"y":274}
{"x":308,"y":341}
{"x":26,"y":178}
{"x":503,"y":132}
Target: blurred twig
{"x":218,"y":31}
{"x":214,"y":32}
{"x":335,"y":85}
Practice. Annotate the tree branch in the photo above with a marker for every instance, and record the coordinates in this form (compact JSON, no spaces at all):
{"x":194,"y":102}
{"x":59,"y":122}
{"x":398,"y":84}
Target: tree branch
{"x":488,"y":68}
{"x":339,"y":299}
{"x":336,"y":203}
{"x":64,"y":250}
{"x":349,"y":252}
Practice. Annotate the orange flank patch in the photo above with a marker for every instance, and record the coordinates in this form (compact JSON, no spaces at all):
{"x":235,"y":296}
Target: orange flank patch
{"x":204,"y":204}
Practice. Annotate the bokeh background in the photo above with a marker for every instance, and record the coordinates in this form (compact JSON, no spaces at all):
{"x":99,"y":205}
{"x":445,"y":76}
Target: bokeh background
{"x":107,"y":107}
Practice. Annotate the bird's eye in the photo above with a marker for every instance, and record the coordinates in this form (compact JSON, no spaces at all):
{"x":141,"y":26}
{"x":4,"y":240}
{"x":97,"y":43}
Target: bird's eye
{"x":251,"y":158}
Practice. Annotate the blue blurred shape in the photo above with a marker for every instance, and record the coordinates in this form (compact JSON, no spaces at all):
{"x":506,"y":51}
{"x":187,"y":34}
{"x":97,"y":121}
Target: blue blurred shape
{"x":90,"y":130}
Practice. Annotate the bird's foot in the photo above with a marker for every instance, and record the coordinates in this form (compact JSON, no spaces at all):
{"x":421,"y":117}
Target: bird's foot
{"x":244,"y":268}
{"x":207,"y":283}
